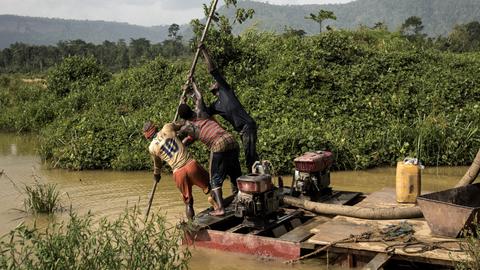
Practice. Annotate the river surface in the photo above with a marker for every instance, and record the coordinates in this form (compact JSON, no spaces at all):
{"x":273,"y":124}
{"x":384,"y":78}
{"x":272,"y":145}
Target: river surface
{"x":107,"y":193}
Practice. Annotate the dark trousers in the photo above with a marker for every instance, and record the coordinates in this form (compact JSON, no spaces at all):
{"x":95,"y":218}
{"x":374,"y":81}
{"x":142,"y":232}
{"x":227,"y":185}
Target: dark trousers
{"x":223,"y":164}
{"x":249,"y":141}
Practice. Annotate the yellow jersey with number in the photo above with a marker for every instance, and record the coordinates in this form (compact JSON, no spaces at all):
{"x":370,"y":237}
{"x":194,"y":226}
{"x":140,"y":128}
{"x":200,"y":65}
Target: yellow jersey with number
{"x":168,"y":147}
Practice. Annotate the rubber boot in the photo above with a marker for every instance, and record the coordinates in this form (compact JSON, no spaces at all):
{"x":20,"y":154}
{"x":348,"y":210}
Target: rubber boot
{"x":217,"y":195}
{"x":189,"y":211}
{"x":234,"y":188}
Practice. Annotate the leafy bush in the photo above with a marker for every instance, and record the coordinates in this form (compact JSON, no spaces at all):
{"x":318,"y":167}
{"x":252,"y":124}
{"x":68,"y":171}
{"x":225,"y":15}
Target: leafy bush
{"x":75,"y":73}
{"x":79,"y":243}
{"x":25,"y":107}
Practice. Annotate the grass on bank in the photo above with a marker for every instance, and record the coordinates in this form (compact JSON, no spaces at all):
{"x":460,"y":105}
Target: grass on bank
{"x":81,"y":243}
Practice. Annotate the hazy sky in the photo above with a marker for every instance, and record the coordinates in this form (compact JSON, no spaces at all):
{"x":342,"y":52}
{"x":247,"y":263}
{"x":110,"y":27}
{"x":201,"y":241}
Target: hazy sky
{"x":141,"y":12}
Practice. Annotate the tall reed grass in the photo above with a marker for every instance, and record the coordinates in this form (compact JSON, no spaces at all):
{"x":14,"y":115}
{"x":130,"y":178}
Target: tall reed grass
{"x":81,"y":243}
{"x":42,"y":198}
{"x":39,"y":198}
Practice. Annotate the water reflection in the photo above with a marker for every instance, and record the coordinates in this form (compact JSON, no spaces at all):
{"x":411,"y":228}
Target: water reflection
{"x":13,"y":149}
{"x":17,"y":145}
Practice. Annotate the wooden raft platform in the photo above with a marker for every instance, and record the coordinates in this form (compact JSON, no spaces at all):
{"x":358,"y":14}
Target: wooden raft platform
{"x":281,"y":238}
{"x":341,"y":227}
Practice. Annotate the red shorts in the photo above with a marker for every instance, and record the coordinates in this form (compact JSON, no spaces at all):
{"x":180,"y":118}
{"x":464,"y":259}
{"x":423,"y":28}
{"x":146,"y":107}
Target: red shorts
{"x":187,"y":176}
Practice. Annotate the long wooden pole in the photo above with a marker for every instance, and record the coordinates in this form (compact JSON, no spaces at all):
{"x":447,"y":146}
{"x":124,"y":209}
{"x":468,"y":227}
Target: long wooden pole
{"x":150,"y":200}
{"x":197,"y":53}
{"x":190,"y":74}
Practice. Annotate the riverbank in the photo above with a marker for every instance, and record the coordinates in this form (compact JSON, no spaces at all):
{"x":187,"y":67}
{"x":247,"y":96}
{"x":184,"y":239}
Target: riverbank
{"x":371,"y":97}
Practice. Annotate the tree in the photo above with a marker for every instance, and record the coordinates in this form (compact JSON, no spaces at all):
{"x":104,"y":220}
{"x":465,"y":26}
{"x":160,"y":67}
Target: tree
{"x":123,"y":61}
{"x":292,"y":32}
{"x":322,"y":16}
{"x":138,"y":49}
{"x":173,"y":31}
{"x":380,"y":26}
{"x":464,"y":37}
{"x":412,"y":26}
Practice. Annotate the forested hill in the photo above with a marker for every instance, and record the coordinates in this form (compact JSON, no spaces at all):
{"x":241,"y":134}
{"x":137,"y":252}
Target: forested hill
{"x":438,"y":16}
{"x":45,"y":31}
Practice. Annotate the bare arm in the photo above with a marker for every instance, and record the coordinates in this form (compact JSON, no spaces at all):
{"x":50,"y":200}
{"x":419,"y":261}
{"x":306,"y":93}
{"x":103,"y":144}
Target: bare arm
{"x":188,"y":132}
{"x":200,"y":107}
{"x":186,"y":90}
{"x":212,"y":68}
{"x":157,"y":166}
{"x":178,"y":125}
{"x":208,"y":59}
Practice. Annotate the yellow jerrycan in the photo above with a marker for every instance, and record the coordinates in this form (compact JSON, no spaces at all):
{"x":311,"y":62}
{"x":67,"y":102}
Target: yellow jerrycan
{"x":408,"y":180}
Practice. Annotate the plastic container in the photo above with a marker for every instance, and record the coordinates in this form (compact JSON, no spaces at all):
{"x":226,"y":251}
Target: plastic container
{"x":408,"y":182}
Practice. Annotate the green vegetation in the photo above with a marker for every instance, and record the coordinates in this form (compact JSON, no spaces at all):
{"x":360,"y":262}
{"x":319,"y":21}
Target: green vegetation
{"x":472,"y":248}
{"x":42,"y":198}
{"x":48,"y":31}
{"x":370,"y":96}
{"x":81,"y":243}
{"x":21,"y":57}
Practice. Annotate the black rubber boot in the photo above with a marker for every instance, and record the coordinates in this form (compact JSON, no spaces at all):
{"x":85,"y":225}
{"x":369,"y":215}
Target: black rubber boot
{"x":217,"y":196}
{"x":189,"y":211}
{"x":234,"y":188}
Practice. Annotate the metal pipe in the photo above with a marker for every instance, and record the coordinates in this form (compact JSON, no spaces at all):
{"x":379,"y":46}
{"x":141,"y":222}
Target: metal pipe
{"x":355,"y":211}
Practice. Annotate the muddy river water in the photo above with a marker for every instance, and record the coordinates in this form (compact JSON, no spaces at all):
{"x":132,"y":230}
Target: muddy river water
{"x":107,"y":193}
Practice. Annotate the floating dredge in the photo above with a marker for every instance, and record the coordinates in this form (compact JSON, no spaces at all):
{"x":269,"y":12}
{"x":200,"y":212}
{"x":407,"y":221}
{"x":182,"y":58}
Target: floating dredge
{"x":257,"y":222}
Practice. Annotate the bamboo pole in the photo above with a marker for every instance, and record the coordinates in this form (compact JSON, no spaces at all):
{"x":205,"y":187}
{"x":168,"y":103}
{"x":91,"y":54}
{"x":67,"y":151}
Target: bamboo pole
{"x":197,"y":53}
{"x":192,"y":70}
{"x":150,"y":199}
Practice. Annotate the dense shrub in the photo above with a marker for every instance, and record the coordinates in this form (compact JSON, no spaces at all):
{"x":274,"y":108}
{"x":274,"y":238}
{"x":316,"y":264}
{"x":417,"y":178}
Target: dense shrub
{"x":74,"y":74}
{"x":370,"y":96}
{"x":24,"y":106}
{"x":80,"y":243}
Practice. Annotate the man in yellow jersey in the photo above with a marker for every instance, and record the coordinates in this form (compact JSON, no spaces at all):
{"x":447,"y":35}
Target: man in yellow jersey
{"x":165,"y":145}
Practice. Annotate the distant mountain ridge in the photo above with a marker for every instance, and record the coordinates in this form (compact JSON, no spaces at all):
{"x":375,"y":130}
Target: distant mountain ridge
{"x":46,"y":31}
{"x":438,"y":16}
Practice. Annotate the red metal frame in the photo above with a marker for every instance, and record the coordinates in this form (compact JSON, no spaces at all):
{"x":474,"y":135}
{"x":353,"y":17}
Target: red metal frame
{"x":245,"y":243}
